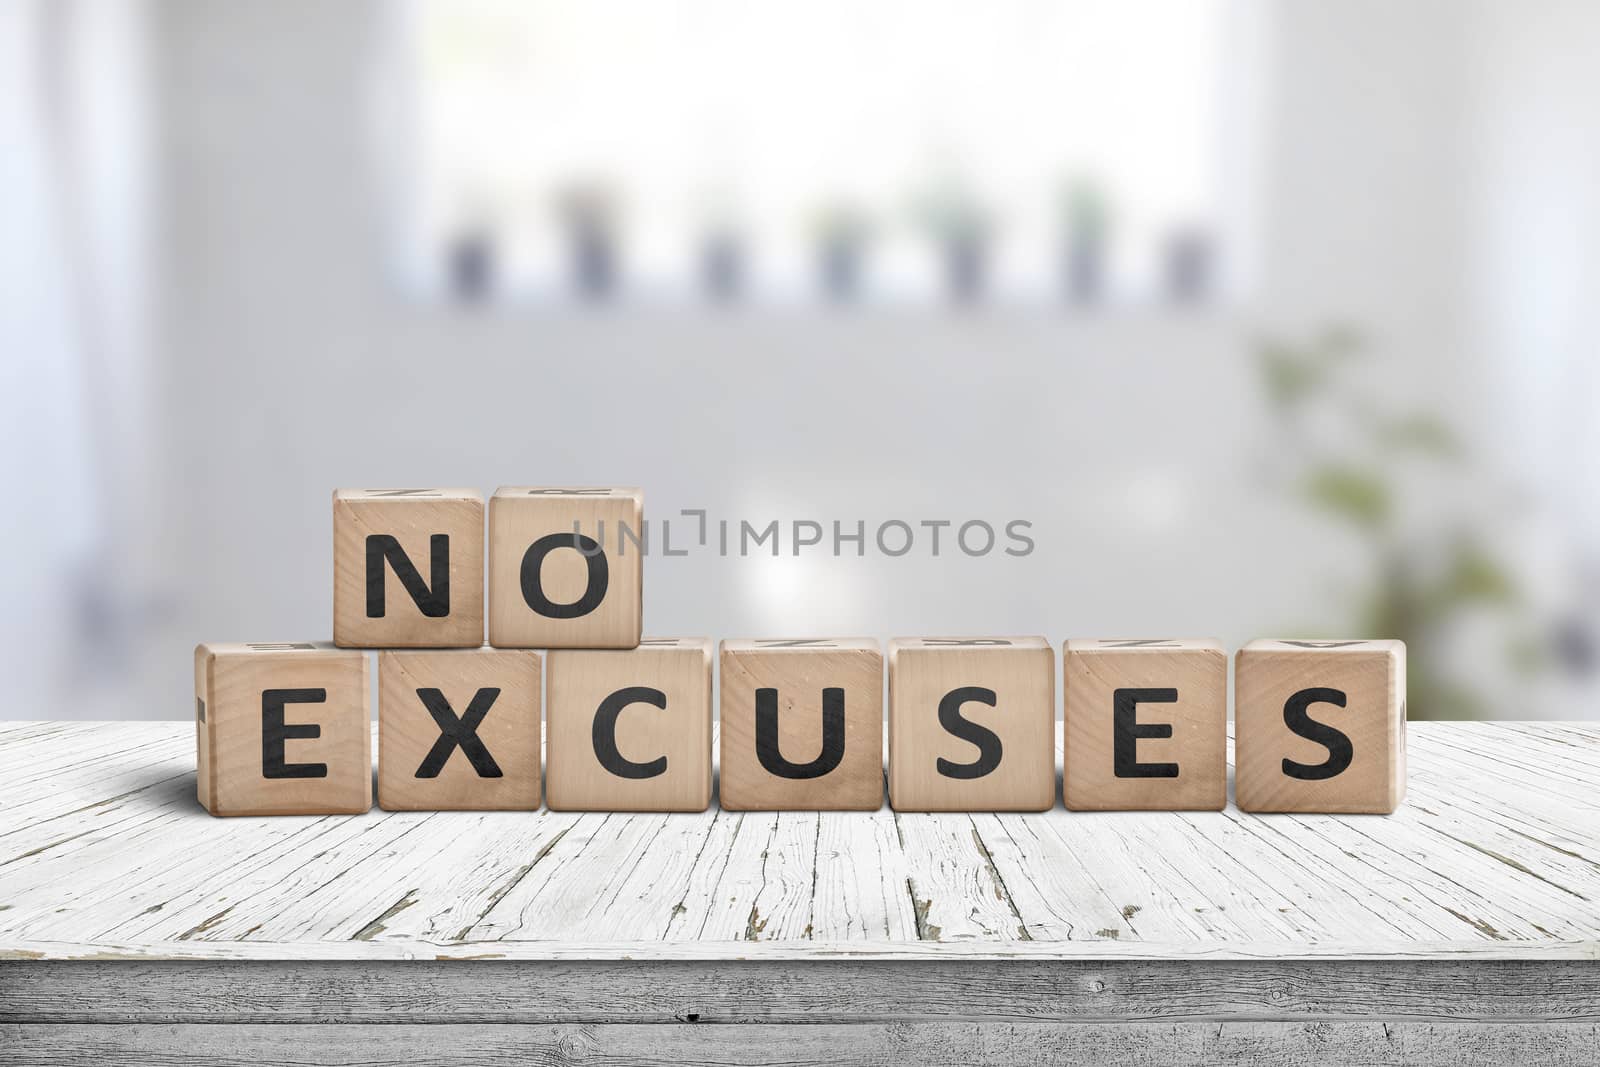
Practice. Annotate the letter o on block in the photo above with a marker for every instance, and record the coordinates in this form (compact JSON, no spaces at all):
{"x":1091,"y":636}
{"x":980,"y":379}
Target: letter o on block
{"x":565,"y":568}
{"x":1320,"y":726}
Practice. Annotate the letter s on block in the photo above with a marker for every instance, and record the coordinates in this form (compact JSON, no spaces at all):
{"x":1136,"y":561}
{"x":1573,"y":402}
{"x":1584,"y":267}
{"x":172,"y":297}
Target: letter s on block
{"x":1340,"y":751}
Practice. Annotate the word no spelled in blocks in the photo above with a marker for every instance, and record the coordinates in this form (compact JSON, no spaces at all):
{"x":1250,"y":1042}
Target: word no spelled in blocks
{"x":564,"y":568}
{"x":282,"y":729}
{"x":1320,"y":726}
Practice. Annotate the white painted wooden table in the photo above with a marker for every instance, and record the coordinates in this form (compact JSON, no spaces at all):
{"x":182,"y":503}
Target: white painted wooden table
{"x":135,"y":928}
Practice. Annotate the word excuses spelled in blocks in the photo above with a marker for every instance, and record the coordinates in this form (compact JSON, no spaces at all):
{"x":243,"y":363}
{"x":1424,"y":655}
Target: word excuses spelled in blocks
{"x":607,"y":720}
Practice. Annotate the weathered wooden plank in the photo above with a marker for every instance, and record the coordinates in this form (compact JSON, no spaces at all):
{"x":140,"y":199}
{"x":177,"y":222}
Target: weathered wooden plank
{"x":861,"y":877}
{"x":753,"y":991}
{"x":957,"y":893}
{"x":879,"y":1044}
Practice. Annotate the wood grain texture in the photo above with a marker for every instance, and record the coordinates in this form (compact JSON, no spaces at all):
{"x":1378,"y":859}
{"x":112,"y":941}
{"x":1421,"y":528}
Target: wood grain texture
{"x":1177,"y":689}
{"x":105,"y":854}
{"x":504,"y":684}
{"x":1369,"y":676}
{"x":323,"y":766}
{"x":414,"y":518}
{"x":521,"y":517}
{"x":677,"y":671}
{"x":1018,"y":675}
{"x":957,"y":1044}
{"x":843,"y":769}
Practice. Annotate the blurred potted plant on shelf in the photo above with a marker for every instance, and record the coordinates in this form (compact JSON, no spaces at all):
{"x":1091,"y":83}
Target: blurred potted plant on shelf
{"x":961,"y":230}
{"x":589,"y":215}
{"x":842,"y":234}
{"x":1336,"y":451}
{"x":1085,"y":236}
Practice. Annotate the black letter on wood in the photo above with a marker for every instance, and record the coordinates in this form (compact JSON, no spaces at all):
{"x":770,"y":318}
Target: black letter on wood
{"x":1340,"y":750}
{"x":274,"y":732}
{"x":1127,"y":729}
{"x":987,"y":740}
{"x":458,"y":733}
{"x":605,"y":732}
{"x":767,"y":736}
{"x":593,"y":593}
{"x":434,"y":600}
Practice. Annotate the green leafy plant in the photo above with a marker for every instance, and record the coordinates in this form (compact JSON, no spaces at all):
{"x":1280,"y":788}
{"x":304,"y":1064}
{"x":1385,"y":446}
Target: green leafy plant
{"x":1340,"y":453}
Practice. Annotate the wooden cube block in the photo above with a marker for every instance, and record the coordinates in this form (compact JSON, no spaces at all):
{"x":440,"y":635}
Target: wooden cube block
{"x":630,"y":729}
{"x":972,"y":724}
{"x":282,"y":729}
{"x":1145,"y":725}
{"x":565,"y":568}
{"x":802,"y":725}
{"x":458,"y":730}
{"x":407,"y":568}
{"x":1320,"y":726}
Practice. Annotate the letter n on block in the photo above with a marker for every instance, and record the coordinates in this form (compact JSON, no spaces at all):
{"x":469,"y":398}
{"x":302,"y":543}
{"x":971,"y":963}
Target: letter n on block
{"x":1146,"y":724}
{"x":1320,"y":726}
{"x":972,"y":724}
{"x":802,"y":725}
{"x":407,"y":568}
{"x":458,"y":730}
{"x":565,"y":568}
{"x":630,"y":729}
{"x":282,"y":728}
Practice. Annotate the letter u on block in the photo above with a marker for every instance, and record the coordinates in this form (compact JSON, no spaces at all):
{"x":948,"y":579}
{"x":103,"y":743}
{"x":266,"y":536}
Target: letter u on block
{"x":802,"y":724}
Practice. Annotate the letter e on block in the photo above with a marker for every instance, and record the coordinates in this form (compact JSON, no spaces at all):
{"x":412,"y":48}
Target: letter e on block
{"x":565,"y":568}
{"x":282,"y":728}
{"x":458,"y":730}
{"x":802,"y":725}
{"x":630,"y":729}
{"x":408,"y":568}
{"x":1145,"y":724}
{"x":1320,"y":726}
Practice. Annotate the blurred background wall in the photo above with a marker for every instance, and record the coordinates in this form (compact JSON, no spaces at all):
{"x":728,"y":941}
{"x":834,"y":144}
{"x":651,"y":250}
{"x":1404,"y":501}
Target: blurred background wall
{"x":1347,"y":387}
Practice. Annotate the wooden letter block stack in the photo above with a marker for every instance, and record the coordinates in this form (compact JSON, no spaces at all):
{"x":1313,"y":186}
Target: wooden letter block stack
{"x":802,"y":724}
{"x":1320,"y":725}
{"x":285,"y":728}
